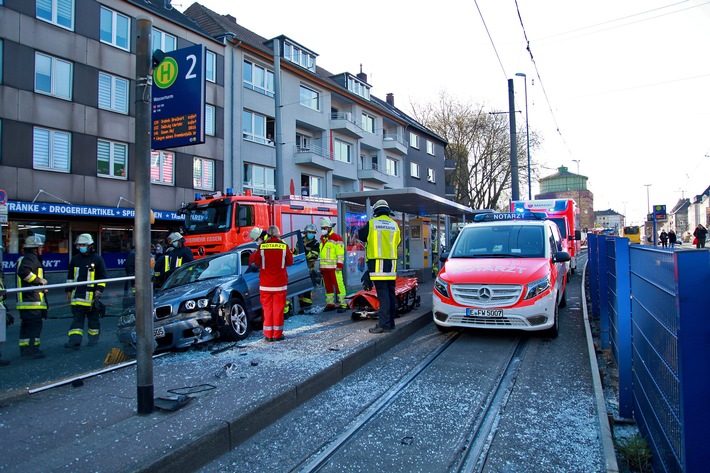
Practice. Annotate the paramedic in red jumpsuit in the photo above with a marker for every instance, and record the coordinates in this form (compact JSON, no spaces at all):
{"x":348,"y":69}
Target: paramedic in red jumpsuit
{"x":272,"y":257}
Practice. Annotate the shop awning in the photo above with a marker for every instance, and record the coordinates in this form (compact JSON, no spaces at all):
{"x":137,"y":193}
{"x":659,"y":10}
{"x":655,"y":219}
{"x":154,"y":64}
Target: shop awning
{"x":410,"y":200}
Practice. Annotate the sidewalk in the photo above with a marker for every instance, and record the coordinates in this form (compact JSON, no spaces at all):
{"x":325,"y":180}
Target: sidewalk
{"x":94,"y":426}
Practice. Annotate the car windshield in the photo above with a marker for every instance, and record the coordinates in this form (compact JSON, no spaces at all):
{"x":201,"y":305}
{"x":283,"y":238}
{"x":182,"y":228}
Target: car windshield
{"x":226,"y":264}
{"x":497,"y":241}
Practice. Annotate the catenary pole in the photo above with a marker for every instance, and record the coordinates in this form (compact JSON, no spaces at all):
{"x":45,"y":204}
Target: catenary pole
{"x":514,"y":185}
{"x":141,"y":230}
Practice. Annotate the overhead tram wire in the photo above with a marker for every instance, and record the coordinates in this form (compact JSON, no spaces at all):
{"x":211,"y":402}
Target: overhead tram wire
{"x":539,"y":78}
{"x":491,"y":39}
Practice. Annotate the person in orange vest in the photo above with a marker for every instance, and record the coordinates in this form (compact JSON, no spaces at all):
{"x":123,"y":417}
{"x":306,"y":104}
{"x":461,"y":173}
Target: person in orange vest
{"x":272,"y":257}
{"x":382,"y":237}
{"x":332,"y":259}
{"x":32,"y":305}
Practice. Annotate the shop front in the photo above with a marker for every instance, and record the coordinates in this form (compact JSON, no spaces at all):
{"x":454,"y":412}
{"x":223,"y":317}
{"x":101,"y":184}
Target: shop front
{"x":110,"y":227}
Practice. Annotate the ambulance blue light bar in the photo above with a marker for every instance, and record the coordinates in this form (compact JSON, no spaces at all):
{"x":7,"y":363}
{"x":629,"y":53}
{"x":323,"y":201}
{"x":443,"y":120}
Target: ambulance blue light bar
{"x":499,"y":216}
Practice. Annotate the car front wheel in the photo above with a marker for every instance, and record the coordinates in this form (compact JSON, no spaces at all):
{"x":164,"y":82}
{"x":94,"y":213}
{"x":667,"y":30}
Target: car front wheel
{"x":235,"y":323}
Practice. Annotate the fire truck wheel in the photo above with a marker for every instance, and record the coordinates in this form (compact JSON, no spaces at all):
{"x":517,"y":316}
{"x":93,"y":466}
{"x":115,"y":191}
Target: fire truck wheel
{"x":554,"y":331}
{"x":235,"y":324}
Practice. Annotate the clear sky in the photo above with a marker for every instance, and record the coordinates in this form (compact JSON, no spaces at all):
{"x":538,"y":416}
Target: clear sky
{"x":621,"y":86}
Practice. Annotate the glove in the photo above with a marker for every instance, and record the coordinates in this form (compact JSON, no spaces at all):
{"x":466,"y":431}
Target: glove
{"x":9,"y":319}
{"x":42,"y":281}
{"x":340,"y":267}
{"x":97,"y":295}
{"x":366,"y":281}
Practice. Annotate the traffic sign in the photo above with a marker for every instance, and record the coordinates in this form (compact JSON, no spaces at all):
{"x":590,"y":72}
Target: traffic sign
{"x":3,"y":197}
{"x":178,"y":99}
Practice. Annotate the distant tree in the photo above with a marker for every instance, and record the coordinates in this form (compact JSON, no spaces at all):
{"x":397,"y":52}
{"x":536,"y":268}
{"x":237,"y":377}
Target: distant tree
{"x":479,"y":143}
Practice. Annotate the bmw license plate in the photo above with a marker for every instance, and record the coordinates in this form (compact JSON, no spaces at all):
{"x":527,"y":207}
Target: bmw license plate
{"x":159,"y":332}
{"x":484,"y":313}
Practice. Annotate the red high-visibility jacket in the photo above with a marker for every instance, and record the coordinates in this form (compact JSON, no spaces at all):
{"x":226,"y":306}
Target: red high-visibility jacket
{"x":272,"y":257}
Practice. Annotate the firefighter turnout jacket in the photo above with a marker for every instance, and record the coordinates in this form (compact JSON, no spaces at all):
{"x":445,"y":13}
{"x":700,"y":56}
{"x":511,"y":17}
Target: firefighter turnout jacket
{"x":86,"y":267}
{"x":170,"y":261}
{"x":272,"y":257}
{"x":30,"y":273}
{"x":332,"y":251}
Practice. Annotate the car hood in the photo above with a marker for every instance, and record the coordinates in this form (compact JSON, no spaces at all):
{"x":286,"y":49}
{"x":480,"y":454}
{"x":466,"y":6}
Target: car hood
{"x":494,"y":270}
{"x":192,"y":290}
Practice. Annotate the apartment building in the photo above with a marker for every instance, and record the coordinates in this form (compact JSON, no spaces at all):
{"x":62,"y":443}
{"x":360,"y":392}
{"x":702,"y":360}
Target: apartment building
{"x":67,"y":123}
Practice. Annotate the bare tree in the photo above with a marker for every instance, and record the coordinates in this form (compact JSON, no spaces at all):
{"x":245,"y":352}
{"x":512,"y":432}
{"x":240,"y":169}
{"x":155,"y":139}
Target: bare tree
{"x":479,"y":143}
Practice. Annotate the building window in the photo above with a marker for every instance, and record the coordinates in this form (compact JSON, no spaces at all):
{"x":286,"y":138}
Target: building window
{"x":258,"y":79}
{"x":53,"y":76}
{"x":392,"y":167}
{"x":209,"y":120}
{"x":112,"y":159}
{"x":115,"y":29}
{"x":310,"y":98}
{"x":259,"y":179}
{"x":211,"y":66}
{"x":413,"y":140}
{"x":253,"y":127}
{"x":431,"y":175}
{"x":368,"y":123}
{"x":57,"y":12}
{"x":51,"y":150}
{"x":358,"y":88}
{"x":342,"y":151}
{"x":203,"y":174}
{"x":299,"y":56}
{"x":311,"y":186}
{"x":163,"y":41}
{"x":430,"y":147}
{"x":162,"y":167}
{"x":414,"y":169}
{"x":113,"y":93}
{"x":1,"y":53}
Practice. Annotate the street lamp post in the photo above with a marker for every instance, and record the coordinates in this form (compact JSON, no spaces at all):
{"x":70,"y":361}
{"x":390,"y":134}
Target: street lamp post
{"x":527,"y":131}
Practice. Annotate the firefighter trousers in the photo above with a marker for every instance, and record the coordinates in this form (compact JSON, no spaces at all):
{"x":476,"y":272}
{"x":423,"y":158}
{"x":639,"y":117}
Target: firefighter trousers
{"x":334,"y":285}
{"x":30,"y":327}
{"x":273,"y":304}
{"x":76,"y":330}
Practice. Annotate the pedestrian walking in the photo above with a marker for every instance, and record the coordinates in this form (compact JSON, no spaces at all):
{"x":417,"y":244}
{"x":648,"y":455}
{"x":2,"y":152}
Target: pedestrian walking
{"x":175,"y":256}
{"x":381,"y":235}
{"x":664,"y":239}
{"x":85,"y":299}
{"x":5,"y":321}
{"x":312,"y":250}
{"x":272,"y":257}
{"x":700,"y":234}
{"x":31,"y":305}
{"x":332,"y":261}
{"x":672,"y":238}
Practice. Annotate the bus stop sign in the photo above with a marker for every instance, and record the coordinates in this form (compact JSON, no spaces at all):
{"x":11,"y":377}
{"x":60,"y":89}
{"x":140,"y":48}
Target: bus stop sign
{"x":178,"y":99}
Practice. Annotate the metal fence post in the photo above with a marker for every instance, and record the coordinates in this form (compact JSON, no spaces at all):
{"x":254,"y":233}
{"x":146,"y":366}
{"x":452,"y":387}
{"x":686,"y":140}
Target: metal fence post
{"x":623,"y":328}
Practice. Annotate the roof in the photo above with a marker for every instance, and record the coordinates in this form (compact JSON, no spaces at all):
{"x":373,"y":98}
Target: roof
{"x":409,"y":200}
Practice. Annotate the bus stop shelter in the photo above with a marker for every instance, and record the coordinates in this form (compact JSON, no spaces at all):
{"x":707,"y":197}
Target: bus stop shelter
{"x":413,"y":203}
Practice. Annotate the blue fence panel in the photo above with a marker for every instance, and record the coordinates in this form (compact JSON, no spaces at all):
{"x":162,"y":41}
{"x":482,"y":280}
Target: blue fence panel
{"x":593,"y":264}
{"x":603,"y":292}
{"x":619,"y":290}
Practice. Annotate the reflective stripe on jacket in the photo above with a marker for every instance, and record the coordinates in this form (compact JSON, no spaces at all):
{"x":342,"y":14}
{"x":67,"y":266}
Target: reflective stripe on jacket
{"x":86,"y":267}
{"x":332,"y":251}
{"x":272,"y":257}
{"x":29,"y":270}
{"x":383,"y":238}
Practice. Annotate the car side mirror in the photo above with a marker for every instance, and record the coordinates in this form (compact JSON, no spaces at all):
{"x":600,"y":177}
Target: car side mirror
{"x":444,"y":257}
{"x":577,"y":235}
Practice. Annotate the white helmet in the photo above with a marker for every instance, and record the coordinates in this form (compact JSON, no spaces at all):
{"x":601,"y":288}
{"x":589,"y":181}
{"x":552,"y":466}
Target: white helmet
{"x":34,"y":241}
{"x":326,"y":222}
{"x":84,"y":239}
{"x":173,"y":237}
{"x":255,"y":233}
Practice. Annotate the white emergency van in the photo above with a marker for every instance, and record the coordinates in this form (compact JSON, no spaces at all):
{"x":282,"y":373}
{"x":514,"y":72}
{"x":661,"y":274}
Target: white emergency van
{"x":505,"y":271}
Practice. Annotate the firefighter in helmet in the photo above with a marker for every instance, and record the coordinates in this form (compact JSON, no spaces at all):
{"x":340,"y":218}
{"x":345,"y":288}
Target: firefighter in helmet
{"x":312,"y":249}
{"x":175,"y":256}
{"x":86,"y":265}
{"x":32,"y":305}
{"x":332,"y":261}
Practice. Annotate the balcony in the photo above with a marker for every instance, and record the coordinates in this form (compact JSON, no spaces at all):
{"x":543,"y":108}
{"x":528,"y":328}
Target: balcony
{"x":395,"y":143}
{"x":373,"y":174}
{"x":343,"y":123}
{"x":313,"y":156}
{"x":449,"y":164}
{"x":450,"y":192}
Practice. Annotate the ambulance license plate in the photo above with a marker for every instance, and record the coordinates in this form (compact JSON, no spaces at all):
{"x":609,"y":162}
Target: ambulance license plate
{"x":484,"y":313}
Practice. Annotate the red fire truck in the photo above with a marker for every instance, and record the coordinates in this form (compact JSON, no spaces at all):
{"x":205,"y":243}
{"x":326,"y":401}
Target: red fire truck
{"x":218,"y":221}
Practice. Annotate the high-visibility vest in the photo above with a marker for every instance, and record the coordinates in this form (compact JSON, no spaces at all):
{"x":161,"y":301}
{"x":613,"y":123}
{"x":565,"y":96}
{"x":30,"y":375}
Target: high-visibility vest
{"x":30,"y":300}
{"x":332,"y":251}
{"x":383,"y":238}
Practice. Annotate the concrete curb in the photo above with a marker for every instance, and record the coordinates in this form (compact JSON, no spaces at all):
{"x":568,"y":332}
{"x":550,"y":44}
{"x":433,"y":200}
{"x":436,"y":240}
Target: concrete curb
{"x":221,"y":437}
{"x":607,"y":439}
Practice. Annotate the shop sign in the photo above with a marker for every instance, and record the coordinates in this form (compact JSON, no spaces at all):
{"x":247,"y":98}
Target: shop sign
{"x":43,"y":208}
